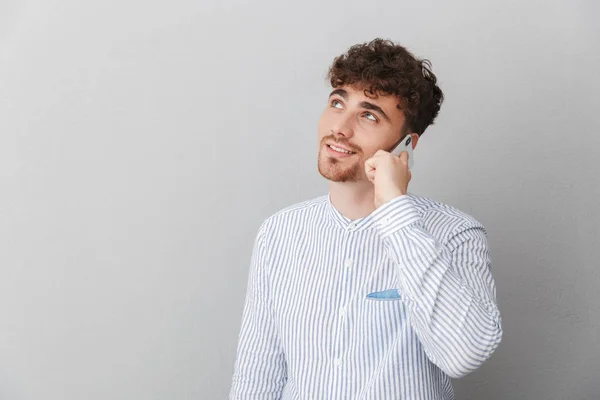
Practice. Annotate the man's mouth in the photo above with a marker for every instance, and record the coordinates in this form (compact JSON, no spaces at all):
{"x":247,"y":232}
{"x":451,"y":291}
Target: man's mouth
{"x":339,"y":150}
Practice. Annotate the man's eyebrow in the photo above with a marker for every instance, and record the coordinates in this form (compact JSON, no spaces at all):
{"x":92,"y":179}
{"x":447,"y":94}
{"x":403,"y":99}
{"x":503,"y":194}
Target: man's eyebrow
{"x":340,"y":92}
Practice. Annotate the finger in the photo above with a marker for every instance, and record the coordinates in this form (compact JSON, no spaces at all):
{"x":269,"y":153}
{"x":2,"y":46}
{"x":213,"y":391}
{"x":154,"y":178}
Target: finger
{"x":371,"y":164}
{"x":369,"y":172}
{"x":404,"y":157}
{"x":371,"y":176}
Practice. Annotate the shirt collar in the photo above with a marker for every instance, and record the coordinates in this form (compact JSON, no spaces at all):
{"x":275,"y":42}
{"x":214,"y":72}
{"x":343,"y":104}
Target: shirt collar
{"x":346,"y":223}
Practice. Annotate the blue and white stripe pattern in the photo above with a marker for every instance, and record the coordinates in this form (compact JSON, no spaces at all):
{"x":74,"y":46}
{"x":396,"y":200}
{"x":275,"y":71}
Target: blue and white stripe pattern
{"x":389,"y":306}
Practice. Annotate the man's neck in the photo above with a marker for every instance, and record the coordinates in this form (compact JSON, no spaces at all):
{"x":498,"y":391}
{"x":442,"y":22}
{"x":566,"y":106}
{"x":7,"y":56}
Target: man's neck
{"x":353,"y":199}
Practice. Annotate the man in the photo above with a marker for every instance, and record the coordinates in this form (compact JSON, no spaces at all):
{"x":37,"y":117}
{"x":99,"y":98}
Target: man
{"x":369,"y":292}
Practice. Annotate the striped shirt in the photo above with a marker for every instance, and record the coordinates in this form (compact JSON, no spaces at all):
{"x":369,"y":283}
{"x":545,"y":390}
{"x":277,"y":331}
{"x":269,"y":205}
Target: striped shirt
{"x":388,"y":306}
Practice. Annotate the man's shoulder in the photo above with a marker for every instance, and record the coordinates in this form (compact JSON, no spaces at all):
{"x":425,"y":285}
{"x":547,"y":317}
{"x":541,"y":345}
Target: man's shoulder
{"x":311,"y":204}
{"x":437,"y":213}
{"x":290,"y":215}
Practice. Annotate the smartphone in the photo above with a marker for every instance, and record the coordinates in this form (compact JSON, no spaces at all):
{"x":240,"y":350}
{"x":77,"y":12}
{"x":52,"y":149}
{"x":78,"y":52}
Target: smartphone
{"x":405,"y":145}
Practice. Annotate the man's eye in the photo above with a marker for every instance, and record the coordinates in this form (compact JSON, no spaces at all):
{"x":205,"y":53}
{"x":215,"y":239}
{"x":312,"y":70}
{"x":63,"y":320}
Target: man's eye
{"x":370,"y":116}
{"x":336,"y":104}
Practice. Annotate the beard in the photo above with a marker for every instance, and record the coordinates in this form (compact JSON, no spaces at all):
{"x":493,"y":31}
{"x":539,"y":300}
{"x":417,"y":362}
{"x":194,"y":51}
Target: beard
{"x":350,"y":169}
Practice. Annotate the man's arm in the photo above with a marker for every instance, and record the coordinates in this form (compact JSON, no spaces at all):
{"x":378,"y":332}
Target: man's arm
{"x":448,"y":288}
{"x":260,"y":367}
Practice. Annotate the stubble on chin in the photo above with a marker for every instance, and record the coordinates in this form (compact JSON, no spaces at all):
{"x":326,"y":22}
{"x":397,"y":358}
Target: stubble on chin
{"x":337,"y":170}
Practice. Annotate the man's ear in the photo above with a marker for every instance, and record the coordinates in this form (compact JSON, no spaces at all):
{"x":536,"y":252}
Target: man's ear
{"x":415,"y":139}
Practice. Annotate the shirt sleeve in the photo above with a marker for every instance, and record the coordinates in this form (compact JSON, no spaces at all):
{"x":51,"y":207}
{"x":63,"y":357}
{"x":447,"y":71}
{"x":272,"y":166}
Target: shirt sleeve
{"x":260,"y":370}
{"x":448,"y":287}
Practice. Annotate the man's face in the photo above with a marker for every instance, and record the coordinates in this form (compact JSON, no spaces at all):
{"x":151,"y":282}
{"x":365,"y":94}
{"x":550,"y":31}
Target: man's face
{"x":360,"y":124}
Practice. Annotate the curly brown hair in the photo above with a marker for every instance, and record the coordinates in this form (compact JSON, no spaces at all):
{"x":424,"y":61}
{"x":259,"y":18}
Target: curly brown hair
{"x":384,"y":67}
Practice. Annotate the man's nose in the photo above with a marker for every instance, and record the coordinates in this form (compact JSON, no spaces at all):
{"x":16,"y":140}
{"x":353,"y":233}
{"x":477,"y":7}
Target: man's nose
{"x":343,"y":127}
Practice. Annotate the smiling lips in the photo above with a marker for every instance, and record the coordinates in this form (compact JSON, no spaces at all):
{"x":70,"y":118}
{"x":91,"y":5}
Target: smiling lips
{"x":339,"y":151}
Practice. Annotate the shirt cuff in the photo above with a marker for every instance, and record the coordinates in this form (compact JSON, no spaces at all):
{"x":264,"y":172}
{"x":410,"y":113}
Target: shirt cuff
{"x":396,"y":214}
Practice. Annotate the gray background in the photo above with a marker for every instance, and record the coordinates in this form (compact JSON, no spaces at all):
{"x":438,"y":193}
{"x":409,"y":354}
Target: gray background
{"x":143,"y":142}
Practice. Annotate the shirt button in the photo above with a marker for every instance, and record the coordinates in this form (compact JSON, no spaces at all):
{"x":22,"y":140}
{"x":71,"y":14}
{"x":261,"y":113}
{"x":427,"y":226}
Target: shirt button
{"x":342,"y":312}
{"x":348,"y":263}
{"x":351,"y":226}
{"x":337,"y":362}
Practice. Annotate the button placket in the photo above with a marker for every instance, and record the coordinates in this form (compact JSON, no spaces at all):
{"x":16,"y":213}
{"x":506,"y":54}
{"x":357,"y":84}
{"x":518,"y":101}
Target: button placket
{"x":342,"y":320}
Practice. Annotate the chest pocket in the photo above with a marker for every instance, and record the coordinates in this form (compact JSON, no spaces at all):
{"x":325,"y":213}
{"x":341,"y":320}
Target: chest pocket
{"x":382,"y":303}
